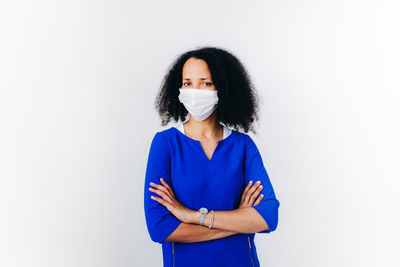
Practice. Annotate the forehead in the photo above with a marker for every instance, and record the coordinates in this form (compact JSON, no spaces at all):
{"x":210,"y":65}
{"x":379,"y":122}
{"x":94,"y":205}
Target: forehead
{"x":195,"y":69}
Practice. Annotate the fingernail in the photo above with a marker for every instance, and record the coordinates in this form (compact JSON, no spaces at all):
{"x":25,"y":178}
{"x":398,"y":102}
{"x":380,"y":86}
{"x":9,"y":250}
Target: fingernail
{"x":261,"y":186}
{"x":250,"y":182}
{"x":258,"y":182}
{"x":262,"y":195}
{"x":161,"y":179}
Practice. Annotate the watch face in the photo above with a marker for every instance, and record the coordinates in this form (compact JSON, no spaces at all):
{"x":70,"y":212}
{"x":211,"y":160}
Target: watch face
{"x":203,"y":210}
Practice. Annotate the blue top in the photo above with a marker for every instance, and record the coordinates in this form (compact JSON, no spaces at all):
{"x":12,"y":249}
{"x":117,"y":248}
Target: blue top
{"x":216,"y":184}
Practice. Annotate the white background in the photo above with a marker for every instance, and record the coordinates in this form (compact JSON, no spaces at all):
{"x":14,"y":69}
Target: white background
{"x":78,"y":81}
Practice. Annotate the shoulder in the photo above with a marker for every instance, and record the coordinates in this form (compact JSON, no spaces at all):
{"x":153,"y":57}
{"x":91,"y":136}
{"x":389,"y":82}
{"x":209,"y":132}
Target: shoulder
{"x":164,"y":137}
{"x":242,"y":140}
{"x":243,"y":137}
{"x":249,"y":145}
{"x":168,"y":134}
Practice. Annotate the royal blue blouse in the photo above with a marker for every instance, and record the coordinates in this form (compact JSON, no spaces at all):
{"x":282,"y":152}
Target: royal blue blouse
{"x":216,"y":184}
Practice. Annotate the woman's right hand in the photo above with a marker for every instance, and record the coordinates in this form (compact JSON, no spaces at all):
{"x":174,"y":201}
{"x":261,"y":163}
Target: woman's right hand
{"x":249,"y":195}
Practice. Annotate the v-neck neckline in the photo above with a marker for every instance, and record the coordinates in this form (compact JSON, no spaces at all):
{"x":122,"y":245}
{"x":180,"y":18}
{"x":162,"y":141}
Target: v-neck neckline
{"x":219,"y":143}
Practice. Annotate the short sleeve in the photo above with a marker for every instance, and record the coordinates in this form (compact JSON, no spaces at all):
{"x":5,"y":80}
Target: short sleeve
{"x":254,"y":170}
{"x":159,"y":220}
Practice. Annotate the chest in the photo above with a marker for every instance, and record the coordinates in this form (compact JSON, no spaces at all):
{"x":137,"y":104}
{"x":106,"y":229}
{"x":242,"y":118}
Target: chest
{"x":209,"y":175}
{"x":209,"y":148}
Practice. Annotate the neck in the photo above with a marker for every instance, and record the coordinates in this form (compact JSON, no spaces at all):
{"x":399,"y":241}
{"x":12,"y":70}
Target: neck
{"x":208,"y":128}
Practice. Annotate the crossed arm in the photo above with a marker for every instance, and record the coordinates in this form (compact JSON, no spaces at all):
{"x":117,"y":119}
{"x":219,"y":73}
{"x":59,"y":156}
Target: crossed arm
{"x":245,"y":219}
{"x":226,"y":223}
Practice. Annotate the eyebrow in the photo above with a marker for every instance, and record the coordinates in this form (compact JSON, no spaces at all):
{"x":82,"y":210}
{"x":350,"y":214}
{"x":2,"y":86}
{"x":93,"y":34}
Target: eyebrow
{"x":200,"y":79}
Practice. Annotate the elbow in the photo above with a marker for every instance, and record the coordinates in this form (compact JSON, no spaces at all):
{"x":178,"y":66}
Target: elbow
{"x":268,"y":216}
{"x":160,"y":239}
{"x":272,"y":226}
{"x":155,"y":232}
{"x":168,"y":238}
{"x":160,"y":233}
{"x":267,"y":227}
{"x":156,"y":238}
{"x":271,"y":222}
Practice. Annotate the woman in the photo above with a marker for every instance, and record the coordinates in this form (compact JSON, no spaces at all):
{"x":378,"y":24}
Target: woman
{"x":200,"y":201}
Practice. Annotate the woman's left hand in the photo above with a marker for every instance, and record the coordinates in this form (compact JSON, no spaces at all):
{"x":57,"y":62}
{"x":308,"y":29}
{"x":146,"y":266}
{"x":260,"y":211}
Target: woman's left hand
{"x":169,"y":201}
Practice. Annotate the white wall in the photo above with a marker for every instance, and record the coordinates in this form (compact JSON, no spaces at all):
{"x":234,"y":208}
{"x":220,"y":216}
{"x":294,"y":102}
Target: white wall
{"x":77,"y":86}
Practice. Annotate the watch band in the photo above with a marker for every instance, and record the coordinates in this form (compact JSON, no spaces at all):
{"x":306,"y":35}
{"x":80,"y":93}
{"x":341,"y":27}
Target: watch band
{"x":203,"y":212}
{"x":202,"y":217}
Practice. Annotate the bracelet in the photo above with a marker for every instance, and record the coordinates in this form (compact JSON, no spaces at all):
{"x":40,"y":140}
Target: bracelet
{"x":212,"y":219}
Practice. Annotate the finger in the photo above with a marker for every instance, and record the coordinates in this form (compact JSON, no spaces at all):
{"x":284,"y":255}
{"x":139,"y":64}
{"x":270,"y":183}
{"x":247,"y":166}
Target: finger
{"x":255,"y":195}
{"x":251,"y":191}
{"x":162,"y":188}
{"x":161,"y":193}
{"x":258,"y":200}
{"x":245,"y":190}
{"x":162,"y":201}
{"x":167,"y":186}
{"x":249,"y":197}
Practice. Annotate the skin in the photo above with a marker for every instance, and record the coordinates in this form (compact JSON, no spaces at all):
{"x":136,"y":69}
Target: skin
{"x":245,"y":219}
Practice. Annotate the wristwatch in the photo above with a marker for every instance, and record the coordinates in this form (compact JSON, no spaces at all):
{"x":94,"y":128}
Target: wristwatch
{"x":203,"y":212}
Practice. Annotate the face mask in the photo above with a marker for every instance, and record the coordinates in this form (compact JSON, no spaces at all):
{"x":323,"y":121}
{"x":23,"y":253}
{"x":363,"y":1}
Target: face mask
{"x":200,"y":103}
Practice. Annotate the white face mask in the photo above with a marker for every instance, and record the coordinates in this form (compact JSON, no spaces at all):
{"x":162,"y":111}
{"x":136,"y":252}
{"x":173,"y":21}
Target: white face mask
{"x":199,"y":102}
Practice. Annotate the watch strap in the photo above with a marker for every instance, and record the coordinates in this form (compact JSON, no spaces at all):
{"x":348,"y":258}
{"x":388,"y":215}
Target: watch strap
{"x":203,"y":213}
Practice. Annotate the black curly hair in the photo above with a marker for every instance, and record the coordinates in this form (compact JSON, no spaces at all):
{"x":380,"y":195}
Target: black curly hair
{"x":238,"y":101}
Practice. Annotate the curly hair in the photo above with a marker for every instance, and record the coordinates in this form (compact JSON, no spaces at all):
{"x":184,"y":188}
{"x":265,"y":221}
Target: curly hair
{"x":238,"y":101}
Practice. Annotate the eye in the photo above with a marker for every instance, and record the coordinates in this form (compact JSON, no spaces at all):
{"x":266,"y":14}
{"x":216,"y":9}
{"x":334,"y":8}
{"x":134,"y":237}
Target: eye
{"x":185,"y":83}
{"x":208,"y":84}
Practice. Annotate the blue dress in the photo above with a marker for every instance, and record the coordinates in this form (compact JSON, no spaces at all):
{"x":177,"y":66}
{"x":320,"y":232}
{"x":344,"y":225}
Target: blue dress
{"x":216,"y":184}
